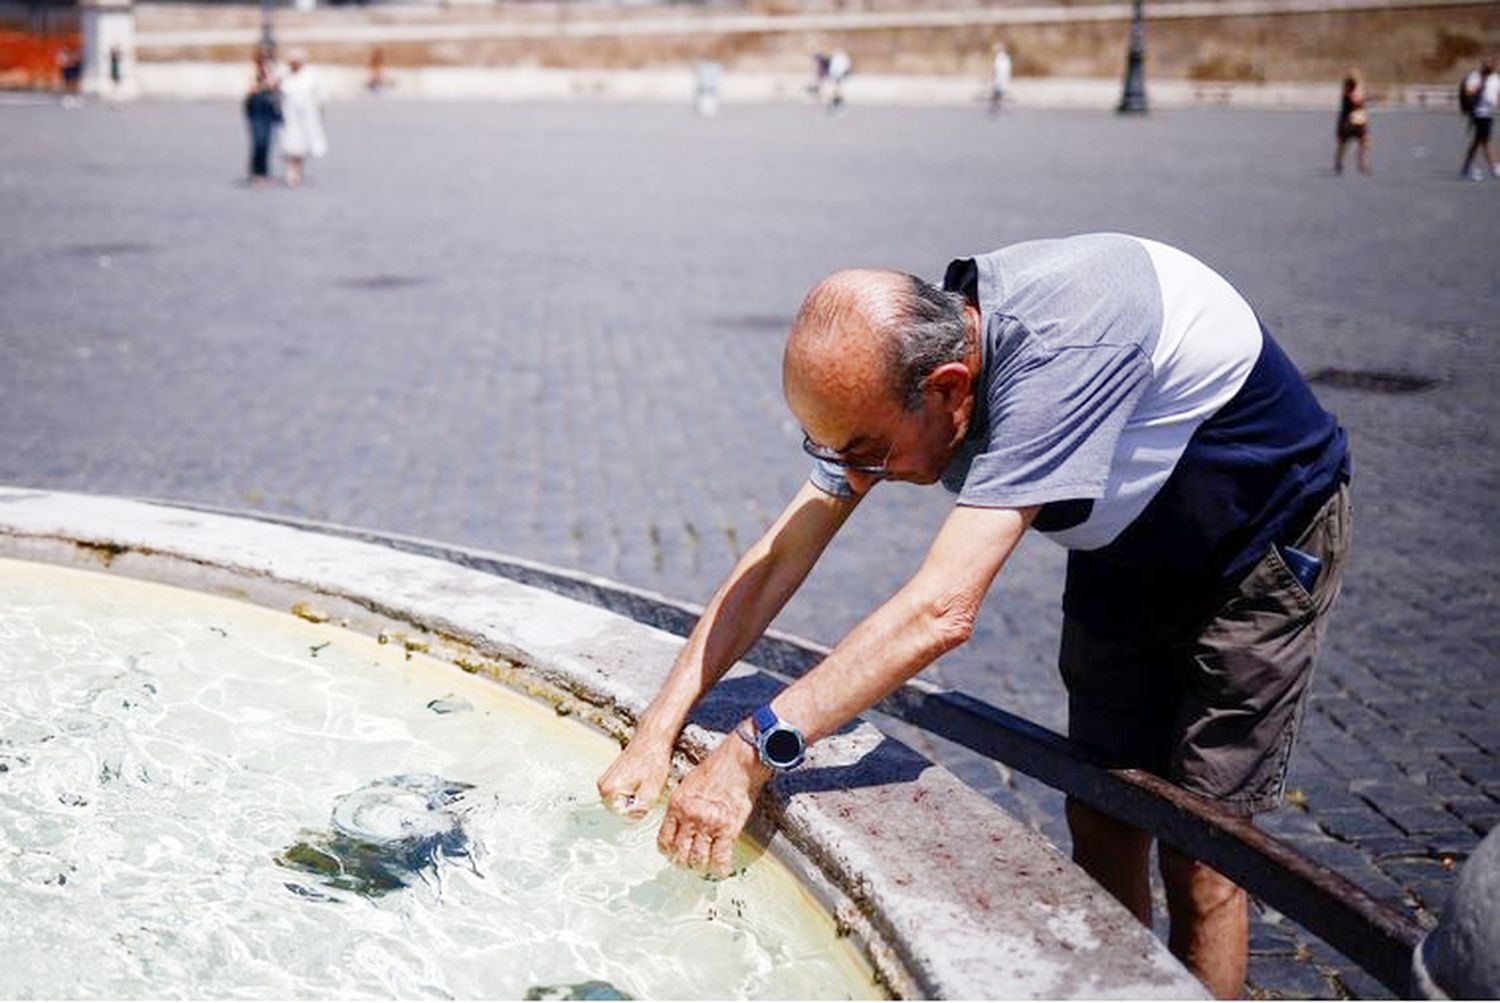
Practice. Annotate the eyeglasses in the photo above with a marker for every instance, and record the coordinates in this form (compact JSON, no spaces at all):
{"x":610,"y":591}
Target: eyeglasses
{"x":837,"y":459}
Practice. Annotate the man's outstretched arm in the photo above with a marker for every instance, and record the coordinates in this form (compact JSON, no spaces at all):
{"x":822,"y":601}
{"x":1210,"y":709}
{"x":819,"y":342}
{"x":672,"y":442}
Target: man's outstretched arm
{"x":739,"y":612}
{"x":933,"y":613}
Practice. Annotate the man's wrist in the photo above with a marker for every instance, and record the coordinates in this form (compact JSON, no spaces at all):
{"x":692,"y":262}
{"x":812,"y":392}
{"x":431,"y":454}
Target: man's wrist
{"x":660,"y":724}
{"x":648,"y":736}
{"x":778,"y":743}
{"x":745,"y":755}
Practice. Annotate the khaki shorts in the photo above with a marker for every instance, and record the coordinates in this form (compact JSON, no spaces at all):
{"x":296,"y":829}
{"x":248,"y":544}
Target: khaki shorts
{"x":1216,"y":711}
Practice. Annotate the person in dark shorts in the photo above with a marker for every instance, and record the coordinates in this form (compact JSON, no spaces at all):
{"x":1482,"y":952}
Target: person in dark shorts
{"x":1120,"y":397}
{"x":1353,"y":125}
{"x":1481,"y":93}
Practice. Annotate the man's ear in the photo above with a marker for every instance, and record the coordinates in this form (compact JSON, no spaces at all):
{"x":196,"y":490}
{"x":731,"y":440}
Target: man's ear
{"x":950,"y":381}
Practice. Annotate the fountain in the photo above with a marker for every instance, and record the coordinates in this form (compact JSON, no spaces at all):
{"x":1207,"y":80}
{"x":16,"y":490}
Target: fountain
{"x":242,"y":758}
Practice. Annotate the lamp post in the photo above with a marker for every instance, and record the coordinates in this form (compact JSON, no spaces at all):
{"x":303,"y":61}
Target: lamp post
{"x":1133,"y":101}
{"x":267,"y":38}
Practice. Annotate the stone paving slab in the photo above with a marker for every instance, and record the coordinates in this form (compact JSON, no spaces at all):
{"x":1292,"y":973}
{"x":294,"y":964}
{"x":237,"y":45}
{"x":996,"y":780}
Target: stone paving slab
{"x":554,"y":331}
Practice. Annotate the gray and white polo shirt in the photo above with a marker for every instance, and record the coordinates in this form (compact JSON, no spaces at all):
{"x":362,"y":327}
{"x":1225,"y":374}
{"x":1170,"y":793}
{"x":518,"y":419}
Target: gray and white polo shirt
{"x":1128,"y":389}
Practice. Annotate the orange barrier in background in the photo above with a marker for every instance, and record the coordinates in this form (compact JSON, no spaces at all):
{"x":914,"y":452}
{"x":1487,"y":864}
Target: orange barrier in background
{"x":35,"y":61}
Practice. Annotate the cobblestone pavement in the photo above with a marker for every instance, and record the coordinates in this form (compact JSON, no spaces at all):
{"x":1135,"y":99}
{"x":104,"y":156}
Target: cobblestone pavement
{"x":555,"y":330}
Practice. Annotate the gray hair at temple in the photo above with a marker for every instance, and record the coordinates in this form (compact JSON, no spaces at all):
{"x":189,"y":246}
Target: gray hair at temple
{"x":913,"y":328}
{"x":927,"y":330}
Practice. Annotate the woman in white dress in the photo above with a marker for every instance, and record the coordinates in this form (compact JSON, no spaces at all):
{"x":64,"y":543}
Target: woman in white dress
{"x":302,"y":116}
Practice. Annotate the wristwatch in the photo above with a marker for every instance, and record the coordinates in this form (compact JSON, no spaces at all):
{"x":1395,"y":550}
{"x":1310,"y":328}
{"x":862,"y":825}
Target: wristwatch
{"x":779,"y":745}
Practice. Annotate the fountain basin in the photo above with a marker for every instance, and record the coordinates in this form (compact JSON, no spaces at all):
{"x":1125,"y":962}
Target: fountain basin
{"x":942,"y":893}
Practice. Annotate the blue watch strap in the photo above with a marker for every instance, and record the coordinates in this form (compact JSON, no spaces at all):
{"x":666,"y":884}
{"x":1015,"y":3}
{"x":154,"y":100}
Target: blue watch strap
{"x":769,"y":730}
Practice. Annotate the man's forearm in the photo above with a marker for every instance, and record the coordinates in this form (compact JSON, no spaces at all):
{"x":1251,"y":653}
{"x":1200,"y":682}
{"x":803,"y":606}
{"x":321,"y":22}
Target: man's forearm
{"x":744,"y":606}
{"x":736,"y":616}
{"x":895,"y":642}
{"x":933,"y":613}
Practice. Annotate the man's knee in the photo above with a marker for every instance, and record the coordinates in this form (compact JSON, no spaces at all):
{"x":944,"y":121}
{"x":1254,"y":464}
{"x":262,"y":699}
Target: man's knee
{"x":1094,"y":831}
{"x":1194,"y":882}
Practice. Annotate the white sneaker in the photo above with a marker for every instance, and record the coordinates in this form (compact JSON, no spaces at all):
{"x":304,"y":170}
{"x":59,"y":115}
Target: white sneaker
{"x":1495,"y":170}
{"x":1476,"y":174}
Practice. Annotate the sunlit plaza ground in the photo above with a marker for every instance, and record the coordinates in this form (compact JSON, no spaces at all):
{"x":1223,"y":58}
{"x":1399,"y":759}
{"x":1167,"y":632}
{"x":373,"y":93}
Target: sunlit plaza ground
{"x":554,"y":331}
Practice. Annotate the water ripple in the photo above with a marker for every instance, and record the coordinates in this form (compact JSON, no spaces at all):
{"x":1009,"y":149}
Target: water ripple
{"x":152,"y":770}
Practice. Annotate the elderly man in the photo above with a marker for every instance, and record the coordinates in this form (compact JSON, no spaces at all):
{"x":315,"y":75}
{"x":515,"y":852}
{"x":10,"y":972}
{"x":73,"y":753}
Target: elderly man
{"x":1112,"y":393}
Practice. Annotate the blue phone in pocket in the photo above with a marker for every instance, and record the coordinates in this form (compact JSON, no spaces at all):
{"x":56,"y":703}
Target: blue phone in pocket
{"x":1303,"y":565}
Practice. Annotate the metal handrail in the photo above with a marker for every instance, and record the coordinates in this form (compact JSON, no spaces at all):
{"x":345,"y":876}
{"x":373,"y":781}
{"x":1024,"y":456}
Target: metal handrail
{"x":1372,"y":934}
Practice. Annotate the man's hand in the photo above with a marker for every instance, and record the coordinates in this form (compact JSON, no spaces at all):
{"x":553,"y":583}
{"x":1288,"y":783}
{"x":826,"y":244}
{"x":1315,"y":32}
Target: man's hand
{"x":710,"y":806}
{"x":634,"y":781}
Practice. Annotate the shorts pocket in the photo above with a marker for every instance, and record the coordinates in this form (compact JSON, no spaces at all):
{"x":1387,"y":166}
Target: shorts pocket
{"x":1269,"y":589}
{"x":1287,"y":583}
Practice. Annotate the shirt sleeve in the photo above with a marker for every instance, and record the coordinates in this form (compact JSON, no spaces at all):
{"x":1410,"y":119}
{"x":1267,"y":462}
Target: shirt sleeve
{"x":1055,"y":418}
{"x":829,"y":479}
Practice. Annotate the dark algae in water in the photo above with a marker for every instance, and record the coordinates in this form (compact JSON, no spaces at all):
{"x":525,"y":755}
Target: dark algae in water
{"x":385,"y":836}
{"x":349,"y":865}
{"x":591,"y":990}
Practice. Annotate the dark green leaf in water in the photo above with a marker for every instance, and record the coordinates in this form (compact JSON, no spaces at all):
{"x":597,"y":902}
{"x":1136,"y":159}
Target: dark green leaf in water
{"x":309,"y":858}
{"x":350,"y":865}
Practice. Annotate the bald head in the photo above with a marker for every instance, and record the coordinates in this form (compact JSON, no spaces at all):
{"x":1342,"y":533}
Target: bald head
{"x":840,"y":345}
{"x":869,"y":334}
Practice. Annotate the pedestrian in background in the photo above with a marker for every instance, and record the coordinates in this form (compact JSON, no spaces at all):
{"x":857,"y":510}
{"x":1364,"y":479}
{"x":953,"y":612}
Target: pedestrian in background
{"x":1479,"y":96}
{"x":706,"y":77}
{"x":820,"y":76}
{"x":1354,"y":124}
{"x":1001,"y":82}
{"x":302,"y":100}
{"x":839,"y":68}
{"x":377,"y":81}
{"x":263,"y":113}
{"x":70,"y":65}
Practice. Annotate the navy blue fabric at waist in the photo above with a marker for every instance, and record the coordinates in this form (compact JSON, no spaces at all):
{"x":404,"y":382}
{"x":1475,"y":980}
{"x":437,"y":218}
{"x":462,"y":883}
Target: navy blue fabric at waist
{"x":1252,"y":475}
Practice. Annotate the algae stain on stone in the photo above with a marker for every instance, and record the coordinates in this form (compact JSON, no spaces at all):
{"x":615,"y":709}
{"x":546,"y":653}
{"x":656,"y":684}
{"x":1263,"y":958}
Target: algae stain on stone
{"x":309,"y":613}
{"x":104,"y":552}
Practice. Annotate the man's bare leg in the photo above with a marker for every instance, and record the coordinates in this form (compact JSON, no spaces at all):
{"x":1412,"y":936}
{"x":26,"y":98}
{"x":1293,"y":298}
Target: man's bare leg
{"x":1210,"y":922}
{"x":1115,"y":854}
